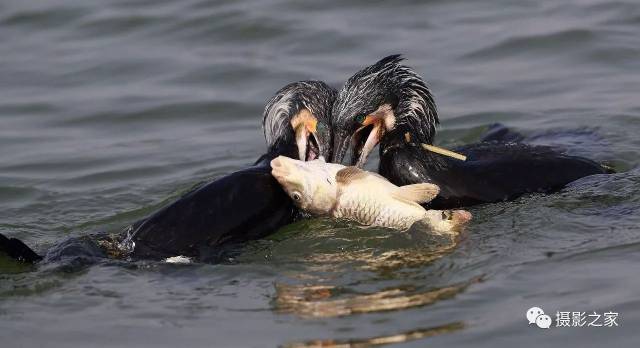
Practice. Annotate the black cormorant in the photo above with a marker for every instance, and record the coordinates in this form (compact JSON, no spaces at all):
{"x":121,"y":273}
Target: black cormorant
{"x":245,"y":205}
{"x":389,"y":104}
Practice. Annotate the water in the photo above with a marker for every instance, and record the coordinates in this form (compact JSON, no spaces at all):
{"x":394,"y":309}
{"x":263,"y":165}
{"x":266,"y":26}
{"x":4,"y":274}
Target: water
{"x":110,"y":109}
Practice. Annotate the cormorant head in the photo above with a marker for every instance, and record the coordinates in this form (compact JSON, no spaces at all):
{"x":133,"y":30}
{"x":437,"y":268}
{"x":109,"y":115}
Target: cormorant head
{"x":298,"y":117}
{"x":380,"y":104}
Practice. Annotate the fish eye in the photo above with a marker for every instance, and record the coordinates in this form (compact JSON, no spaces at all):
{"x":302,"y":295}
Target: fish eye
{"x":296,"y":196}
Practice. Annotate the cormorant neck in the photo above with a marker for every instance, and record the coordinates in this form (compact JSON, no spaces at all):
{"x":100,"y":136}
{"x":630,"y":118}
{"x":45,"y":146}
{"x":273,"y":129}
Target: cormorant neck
{"x":279,"y":149}
{"x":408,"y":163}
{"x":415,"y":109}
{"x":402,"y":134}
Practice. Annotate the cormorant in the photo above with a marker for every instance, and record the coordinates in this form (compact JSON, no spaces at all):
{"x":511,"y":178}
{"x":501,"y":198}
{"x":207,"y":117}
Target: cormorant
{"x":389,"y":104}
{"x":245,"y":205}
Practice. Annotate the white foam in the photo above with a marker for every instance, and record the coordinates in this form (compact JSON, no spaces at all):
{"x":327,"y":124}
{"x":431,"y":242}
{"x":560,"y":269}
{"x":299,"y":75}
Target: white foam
{"x":178,"y":259}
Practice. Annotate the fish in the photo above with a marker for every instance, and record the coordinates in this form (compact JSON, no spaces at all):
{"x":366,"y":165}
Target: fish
{"x":333,"y":190}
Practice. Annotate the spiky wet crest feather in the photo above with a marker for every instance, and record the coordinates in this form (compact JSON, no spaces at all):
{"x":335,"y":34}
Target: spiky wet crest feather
{"x":316,"y":96}
{"x":388,"y":81}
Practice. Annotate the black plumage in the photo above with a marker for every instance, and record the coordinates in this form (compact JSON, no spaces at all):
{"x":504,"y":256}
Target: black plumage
{"x":494,"y":171}
{"x":315,"y":96}
{"x":244,"y":205}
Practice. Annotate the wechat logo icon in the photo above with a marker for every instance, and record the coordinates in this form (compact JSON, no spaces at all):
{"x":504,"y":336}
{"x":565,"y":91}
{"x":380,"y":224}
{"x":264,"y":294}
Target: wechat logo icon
{"x":535,"y":315}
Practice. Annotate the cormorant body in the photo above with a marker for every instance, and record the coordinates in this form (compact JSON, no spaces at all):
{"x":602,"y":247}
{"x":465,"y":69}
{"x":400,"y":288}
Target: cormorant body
{"x":389,"y":104}
{"x":493,"y":172}
{"x":245,"y":205}
{"x":242,"y":206}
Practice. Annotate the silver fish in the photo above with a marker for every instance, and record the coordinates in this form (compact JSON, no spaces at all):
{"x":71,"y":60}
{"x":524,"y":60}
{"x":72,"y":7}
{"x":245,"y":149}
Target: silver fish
{"x":329,"y":189}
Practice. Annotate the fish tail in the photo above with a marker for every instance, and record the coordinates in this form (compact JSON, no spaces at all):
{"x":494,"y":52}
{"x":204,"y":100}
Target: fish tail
{"x":17,"y":250}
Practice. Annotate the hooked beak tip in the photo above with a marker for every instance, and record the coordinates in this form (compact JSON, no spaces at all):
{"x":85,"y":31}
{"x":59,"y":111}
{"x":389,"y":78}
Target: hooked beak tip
{"x":301,"y":135}
{"x":371,"y":142}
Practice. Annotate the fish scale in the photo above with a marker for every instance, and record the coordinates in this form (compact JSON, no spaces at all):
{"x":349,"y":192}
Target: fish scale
{"x":329,"y":189}
{"x":368,"y":209}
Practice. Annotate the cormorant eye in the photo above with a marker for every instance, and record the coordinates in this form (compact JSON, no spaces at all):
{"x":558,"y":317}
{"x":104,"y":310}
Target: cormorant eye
{"x":321,"y":127}
{"x":296,"y":196}
{"x":360,"y":118}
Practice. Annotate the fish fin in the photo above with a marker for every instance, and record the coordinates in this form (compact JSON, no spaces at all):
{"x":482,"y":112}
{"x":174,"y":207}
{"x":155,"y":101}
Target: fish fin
{"x":419,"y":193}
{"x":349,"y":174}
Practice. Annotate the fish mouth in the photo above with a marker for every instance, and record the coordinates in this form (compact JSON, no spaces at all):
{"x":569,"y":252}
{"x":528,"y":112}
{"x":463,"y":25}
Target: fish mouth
{"x":285,"y":170}
{"x":280,"y":169}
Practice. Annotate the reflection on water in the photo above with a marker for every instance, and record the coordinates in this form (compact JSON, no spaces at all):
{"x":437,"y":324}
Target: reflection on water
{"x":379,"y":340}
{"x":337,"y":242}
{"x":330,"y":301}
{"x":363,"y":249}
{"x":415,"y":247}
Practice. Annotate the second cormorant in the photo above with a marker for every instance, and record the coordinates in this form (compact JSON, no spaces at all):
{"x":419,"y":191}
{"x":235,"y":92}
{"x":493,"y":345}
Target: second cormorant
{"x":245,"y":205}
{"x":389,"y":104}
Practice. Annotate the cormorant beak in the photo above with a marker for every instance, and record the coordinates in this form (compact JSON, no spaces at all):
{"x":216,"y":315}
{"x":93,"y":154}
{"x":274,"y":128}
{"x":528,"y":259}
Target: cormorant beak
{"x":340,"y":145}
{"x":361,"y":151}
{"x":305,"y":129}
{"x":377,"y":123}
